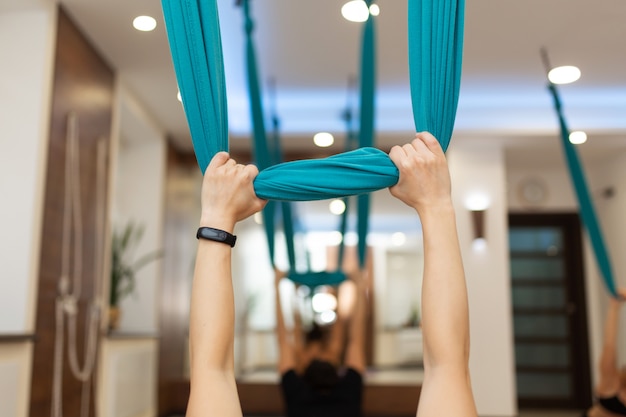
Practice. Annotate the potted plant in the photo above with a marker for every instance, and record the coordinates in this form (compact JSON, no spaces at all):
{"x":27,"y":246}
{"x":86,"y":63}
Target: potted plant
{"x":124,"y":267}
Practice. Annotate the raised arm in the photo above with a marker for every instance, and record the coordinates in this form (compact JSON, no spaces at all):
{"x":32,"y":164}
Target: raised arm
{"x":355,"y":350}
{"x":286,"y":349}
{"x":424,"y":185}
{"x":227,"y":197}
{"x":609,"y":383}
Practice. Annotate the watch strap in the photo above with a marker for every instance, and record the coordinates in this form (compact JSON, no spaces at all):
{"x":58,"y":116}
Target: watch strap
{"x":216,"y":235}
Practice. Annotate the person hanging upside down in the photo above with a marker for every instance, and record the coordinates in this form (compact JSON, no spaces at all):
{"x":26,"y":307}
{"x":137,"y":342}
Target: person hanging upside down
{"x":610,"y":391}
{"x":314,"y":380}
{"x":424,"y":184}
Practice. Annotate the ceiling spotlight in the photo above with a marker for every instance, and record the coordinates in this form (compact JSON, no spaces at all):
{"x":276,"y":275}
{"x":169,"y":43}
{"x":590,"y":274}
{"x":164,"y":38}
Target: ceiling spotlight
{"x":374,"y":10}
{"x":144,"y":23}
{"x":578,"y":137}
{"x":323,"y":139}
{"x":564,"y":75}
{"x":355,"y":11}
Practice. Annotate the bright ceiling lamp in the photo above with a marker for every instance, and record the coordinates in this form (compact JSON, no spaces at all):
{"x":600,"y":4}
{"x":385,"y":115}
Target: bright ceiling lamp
{"x":323,"y":139}
{"x":355,"y":11}
{"x":144,"y":23}
{"x":374,"y":10}
{"x":564,"y":75}
{"x":578,"y":137}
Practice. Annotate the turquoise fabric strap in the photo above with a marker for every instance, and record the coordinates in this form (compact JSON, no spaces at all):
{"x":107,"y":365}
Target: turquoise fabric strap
{"x":435,"y":42}
{"x":367,"y":118}
{"x":263,"y":155}
{"x":193,"y":31}
{"x":587,"y":211}
{"x":435,"y":61}
{"x":357,"y":172}
{"x":313,"y":279}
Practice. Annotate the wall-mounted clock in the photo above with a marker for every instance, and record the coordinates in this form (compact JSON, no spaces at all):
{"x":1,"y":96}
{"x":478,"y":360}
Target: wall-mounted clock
{"x":532,"y":191}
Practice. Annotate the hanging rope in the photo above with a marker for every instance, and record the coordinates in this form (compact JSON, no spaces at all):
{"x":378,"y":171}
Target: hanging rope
{"x":195,"y":43}
{"x":587,"y":211}
{"x":70,"y":279}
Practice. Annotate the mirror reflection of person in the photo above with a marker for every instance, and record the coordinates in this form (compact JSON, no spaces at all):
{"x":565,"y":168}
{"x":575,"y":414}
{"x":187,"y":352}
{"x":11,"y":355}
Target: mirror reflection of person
{"x":314,"y":379}
{"x":424,"y":184}
{"x":610,"y":391}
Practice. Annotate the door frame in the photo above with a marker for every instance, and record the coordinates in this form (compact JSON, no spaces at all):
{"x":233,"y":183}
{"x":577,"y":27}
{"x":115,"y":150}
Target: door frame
{"x":575,"y":287}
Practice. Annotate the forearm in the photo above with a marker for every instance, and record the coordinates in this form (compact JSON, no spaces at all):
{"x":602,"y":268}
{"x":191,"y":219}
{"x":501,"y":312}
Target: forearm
{"x":445,"y":317}
{"x":281,"y":330}
{"x":355,"y":352}
{"x":608,"y":358}
{"x":356,"y":333}
{"x":212,"y":316}
{"x":286,"y":358}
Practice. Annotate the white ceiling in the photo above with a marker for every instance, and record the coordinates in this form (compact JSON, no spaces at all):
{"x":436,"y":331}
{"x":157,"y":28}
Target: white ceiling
{"x":311,"y":51}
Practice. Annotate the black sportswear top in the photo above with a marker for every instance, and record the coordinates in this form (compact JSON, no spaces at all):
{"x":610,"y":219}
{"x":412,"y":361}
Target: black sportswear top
{"x":613,"y":404}
{"x":344,"y":400}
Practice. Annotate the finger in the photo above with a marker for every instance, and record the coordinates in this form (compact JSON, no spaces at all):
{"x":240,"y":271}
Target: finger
{"x":218,"y":160}
{"x":396,"y":153}
{"x":419,"y":147}
{"x":252,"y":170}
{"x":430,"y":141}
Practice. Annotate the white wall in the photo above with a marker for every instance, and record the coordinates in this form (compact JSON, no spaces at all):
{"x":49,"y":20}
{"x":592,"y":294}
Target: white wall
{"x":492,"y":363}
{"x":610,"y":211}
{"x":25,"y":96}
{"x":127,"y":384}
{"x":15,"y":378}
{"x":139,"y":197}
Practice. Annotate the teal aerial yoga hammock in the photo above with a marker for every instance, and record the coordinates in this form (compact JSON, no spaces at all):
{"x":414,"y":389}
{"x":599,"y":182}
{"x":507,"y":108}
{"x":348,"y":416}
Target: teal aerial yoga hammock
{"x":263,"y":155}
{"x":587,"y":211}
{"x":435,"y":52}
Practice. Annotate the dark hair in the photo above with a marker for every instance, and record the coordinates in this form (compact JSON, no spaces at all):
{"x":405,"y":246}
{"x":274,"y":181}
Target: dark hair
{"x":321,"y":376}
{"x":316,"y":334}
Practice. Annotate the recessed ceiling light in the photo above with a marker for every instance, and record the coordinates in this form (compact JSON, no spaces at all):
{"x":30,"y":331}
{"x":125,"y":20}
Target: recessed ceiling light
{"x":144,"y":23}
{"x":578,"y":137}
{"x":355,"y":11}
{"x":323,"y":139}
{"x":374,"y":10}
{"x":564,"y":75}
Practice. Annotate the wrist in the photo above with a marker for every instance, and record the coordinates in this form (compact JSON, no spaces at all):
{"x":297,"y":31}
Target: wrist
{"x":438,"y":209}
{"x":217,"y":221}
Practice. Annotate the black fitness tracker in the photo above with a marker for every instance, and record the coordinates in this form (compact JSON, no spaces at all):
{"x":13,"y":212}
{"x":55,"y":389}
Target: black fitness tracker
{"x":216,"y":235}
